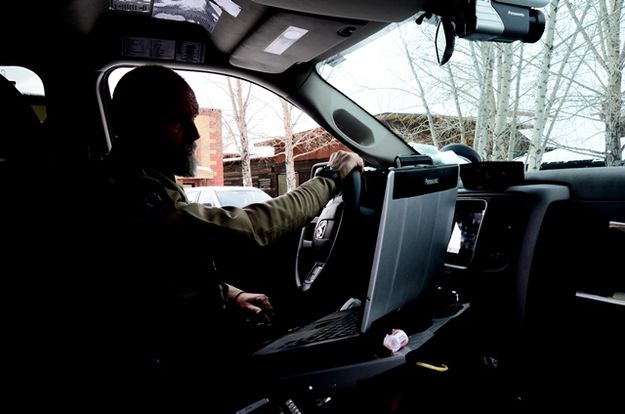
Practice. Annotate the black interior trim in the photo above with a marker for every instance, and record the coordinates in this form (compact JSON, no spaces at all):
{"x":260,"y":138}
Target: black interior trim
{"x":599,"y":183}
{"x":540,"y":198}
{"x":354,"y":9}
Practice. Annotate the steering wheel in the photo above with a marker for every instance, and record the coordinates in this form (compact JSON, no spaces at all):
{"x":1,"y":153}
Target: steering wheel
{"x":318,"y":238}
{"x":463,"y":151}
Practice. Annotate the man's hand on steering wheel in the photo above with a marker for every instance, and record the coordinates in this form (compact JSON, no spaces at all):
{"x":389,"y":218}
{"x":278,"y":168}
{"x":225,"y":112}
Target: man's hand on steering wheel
{"x":344,"y":162}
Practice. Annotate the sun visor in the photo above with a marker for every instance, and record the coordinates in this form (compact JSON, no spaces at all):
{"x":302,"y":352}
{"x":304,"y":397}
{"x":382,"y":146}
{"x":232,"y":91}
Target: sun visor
{"x":285,"y":39}
{"x":370,"y":10}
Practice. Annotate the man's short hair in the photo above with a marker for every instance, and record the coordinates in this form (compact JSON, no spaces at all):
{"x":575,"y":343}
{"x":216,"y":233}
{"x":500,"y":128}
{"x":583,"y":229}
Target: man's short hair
{"x":142,"y":93}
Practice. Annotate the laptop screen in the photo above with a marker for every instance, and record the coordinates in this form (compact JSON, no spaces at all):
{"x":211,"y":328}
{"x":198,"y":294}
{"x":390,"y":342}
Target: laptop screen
{"x":414,"y":230}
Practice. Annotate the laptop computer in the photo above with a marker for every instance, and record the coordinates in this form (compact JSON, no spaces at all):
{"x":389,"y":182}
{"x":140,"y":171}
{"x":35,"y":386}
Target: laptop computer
{"x":413,"y":233}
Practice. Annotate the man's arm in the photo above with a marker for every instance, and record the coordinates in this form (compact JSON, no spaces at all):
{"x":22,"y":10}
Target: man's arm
{"x":263,"y":223}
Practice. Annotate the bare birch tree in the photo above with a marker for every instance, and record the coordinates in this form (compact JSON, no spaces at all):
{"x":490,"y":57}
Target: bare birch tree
{"x":239,"y":99}
{"x":421,"y":93}
{"x":603,"y":38}
{"x":288,"y":139}
{"x":504,"y":80}
{"x":292,"y":144}
{"x":514,"y":125}
{"x":536,"y":143}
{"x":456,"y":98}
{"x":486,"y":100}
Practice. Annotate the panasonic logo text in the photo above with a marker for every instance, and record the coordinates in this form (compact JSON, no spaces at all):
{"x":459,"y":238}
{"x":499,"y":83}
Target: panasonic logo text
{"x":511,"y":13}
{"x":431,"y":181}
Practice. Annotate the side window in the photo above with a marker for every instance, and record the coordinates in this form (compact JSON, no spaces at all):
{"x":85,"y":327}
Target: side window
{"x":22,"y":110}
{"x":249,"y":136}
{"x":30,"y":86}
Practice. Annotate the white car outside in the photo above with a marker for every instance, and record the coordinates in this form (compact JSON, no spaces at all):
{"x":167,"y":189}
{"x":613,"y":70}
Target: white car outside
{"x":216,"y":196}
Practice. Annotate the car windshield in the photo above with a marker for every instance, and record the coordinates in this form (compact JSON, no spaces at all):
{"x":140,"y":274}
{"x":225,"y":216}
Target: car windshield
{"x":555,"y":103}
{"x":241,"y":198}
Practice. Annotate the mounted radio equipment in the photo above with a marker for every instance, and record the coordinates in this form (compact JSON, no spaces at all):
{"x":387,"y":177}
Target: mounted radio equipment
{"x":501,"y":20}
{"x":486,"y":20}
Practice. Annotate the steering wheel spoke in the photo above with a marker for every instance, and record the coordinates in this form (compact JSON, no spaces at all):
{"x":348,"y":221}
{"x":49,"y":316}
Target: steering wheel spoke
{"x":318,"y":238}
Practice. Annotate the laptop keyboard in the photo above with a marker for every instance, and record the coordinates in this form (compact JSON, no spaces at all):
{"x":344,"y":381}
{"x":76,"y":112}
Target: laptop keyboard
{"x":344,"y":326}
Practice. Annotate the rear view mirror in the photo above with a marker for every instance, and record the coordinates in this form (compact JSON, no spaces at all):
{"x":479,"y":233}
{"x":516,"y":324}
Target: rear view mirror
{"x":445,"y":40}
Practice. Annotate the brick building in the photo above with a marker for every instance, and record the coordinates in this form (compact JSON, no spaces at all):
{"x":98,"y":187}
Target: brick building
{"x":269,"y":173}
{"x":209,"y":153}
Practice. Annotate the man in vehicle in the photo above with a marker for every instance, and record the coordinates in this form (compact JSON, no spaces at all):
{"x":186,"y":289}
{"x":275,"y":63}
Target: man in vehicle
{"x":179,"y":308}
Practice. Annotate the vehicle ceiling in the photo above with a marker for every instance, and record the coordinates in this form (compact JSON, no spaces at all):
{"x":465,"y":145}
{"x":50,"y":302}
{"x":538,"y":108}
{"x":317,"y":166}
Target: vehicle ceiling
{"x":70,"y":42}
{"x":73,"y":29}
